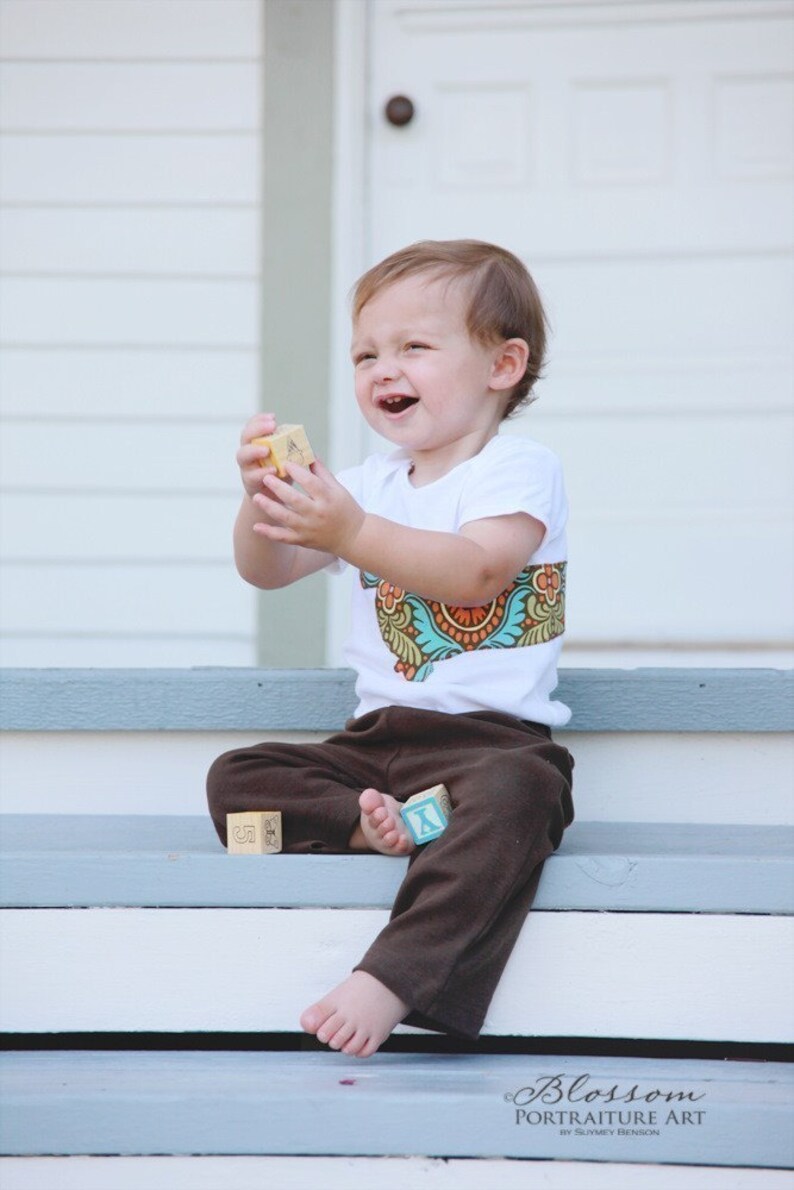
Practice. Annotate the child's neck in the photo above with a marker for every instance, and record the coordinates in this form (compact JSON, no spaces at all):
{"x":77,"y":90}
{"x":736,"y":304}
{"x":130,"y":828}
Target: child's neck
{"x":428,"y":466}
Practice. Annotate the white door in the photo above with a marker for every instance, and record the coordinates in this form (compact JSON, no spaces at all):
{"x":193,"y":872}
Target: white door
{"x":639,"y":159}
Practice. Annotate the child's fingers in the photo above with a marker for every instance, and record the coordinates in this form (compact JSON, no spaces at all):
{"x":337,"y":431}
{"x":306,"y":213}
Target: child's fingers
{"x":259,"y":426}
{"x":276,"y":509}
{"x":286,"y":493}
{"x":251,"y":456}
{"x":321,"y":471}
{"x":314,"y":479}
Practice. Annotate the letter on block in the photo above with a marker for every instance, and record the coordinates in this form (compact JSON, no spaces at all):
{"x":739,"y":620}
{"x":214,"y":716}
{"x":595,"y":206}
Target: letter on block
{"x":288,"y":444}
{"x":427,"y":814}
{"x":255,"y":832}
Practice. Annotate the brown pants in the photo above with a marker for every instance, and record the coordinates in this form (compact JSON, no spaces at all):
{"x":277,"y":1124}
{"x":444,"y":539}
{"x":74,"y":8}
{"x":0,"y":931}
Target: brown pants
{"x":466,"y":894}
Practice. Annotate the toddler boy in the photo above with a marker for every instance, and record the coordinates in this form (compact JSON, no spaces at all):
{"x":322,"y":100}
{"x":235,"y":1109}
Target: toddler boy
{"x":458,"y":537}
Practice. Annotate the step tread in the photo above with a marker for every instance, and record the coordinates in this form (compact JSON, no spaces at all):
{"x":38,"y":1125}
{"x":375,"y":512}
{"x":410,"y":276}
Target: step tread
{"x":250,"y":699}
{"x":177,"y":861}
{"x":396,"y":1104}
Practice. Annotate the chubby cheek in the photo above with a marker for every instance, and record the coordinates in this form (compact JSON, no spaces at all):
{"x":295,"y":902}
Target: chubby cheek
{"x":364,"y":400}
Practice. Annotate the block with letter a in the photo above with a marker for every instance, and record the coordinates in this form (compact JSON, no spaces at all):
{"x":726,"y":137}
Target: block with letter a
{"x":427,"y":814}
{"x":287,"y":444}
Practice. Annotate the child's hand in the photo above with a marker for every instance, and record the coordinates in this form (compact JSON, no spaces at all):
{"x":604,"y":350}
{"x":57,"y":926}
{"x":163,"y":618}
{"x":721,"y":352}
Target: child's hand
{"x":250,"y":458}
{"x":320,"y":514}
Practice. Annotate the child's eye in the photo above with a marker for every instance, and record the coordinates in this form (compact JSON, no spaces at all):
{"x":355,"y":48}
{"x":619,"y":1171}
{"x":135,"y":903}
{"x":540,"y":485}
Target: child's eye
{"x":363,"y":356}
{"x":417,"y":346}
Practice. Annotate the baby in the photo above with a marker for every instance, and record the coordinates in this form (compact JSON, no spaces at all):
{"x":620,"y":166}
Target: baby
{"x":458,"y":537}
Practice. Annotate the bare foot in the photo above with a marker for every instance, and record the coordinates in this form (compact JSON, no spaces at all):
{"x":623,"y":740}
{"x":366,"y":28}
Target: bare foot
{"x":356,"y":1017}
{"x":381,"y":828}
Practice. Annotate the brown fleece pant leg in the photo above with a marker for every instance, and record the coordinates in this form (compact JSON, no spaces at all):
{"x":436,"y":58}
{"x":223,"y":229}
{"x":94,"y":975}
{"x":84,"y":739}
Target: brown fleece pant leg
{"x":466,"y":895}
{"x":315,"y":786}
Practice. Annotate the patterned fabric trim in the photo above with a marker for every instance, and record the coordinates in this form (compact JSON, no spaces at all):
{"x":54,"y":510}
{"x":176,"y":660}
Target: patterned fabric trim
{"x":419,"y":632}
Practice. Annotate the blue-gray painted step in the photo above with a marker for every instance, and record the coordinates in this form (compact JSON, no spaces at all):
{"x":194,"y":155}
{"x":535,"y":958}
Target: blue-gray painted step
{"x":174,"y":861}
{"x":688,"y":700}
{"x":709,"y":1113}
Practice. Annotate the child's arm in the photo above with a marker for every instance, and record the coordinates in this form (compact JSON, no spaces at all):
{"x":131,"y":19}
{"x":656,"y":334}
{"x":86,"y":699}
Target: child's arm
{"x":263,"y":562}
{"x":470,"y":567}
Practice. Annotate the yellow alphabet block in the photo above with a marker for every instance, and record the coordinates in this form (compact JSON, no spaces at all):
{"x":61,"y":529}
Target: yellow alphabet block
{"x":256,"y":832}
{"x":288,"y":444}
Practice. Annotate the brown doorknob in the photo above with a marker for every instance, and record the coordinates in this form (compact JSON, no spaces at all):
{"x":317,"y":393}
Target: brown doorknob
{"x":399,"y":110}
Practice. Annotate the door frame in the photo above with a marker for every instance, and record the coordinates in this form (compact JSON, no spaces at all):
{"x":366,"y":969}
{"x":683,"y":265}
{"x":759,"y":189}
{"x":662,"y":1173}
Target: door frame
{"x":350,"y":240}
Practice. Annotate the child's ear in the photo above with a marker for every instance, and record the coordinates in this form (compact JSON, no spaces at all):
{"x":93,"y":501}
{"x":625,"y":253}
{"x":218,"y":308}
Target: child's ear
{"x":510,"y":363}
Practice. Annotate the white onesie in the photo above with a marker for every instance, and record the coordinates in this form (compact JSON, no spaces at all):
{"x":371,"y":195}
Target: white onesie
{"x":411,"y":651}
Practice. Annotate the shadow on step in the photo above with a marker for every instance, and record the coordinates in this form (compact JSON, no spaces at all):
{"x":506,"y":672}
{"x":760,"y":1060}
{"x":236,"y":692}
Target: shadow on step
{"x":626,"y":1047}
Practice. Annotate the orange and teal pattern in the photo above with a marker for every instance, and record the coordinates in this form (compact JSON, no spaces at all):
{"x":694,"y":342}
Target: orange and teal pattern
{"x":419,"y":632}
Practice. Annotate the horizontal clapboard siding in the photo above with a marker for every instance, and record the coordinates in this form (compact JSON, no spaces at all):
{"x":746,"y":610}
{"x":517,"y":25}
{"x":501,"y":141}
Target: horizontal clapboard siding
{"x":82,"y":29}
{"x":144,"y":383}
{"x":130,"y":213}
{"x":129,"y":241}
{"x":179,"y":170}
{"x":146,"y":527}
{"x":164,"y":312}
{"x":163,"y":457}
{"x":57,"y":96}
{"x":128,"y":599}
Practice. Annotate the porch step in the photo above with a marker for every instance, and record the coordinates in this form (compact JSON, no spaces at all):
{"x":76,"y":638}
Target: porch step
{"x":122,"y":923}
{"x":112,"y":923}
{"x":62,"y":860}
{"x":449,"y":1105}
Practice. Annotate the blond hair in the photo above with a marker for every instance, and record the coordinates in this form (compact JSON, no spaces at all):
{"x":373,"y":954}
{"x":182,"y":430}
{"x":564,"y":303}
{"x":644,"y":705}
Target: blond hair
{"x":503,"y":300}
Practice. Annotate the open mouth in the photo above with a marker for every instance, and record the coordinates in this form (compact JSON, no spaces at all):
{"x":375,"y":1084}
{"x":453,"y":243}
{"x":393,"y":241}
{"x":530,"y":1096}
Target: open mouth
{"x":396,"y":404}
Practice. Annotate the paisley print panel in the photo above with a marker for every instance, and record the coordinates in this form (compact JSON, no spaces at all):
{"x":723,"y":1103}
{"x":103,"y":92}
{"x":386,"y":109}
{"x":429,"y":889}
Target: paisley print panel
{"x":419,"y":632}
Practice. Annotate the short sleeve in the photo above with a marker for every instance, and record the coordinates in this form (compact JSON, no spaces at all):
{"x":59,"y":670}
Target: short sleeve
{"x":517,"y":475}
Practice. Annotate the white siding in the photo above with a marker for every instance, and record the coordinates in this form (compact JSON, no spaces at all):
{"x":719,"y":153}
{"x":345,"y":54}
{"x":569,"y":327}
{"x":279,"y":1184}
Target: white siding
{"x":130,"y":215}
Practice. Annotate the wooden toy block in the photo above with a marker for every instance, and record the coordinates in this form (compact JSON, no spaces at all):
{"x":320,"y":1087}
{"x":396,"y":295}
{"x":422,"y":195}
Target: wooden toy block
{"x":427,"y":814}
{"x":255,"y":832}
{"x":288,"y":444}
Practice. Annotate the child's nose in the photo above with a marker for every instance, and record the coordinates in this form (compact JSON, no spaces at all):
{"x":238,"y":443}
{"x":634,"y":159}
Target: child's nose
{"x":386,"y":369}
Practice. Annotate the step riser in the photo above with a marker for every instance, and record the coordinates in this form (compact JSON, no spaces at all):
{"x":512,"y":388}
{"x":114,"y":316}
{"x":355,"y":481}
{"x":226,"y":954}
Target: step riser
{"x":646,"y":777}
{"x":688,"y":976}
{"x":362,"y":1173}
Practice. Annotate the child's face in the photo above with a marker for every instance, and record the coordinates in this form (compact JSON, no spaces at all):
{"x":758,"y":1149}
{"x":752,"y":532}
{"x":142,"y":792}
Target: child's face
{"x":421,"y":380}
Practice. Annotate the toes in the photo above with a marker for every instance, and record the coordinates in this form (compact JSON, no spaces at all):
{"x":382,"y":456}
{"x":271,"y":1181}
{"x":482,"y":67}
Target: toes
{"x":342,"y":1037}
{"x":356,"y":1045}
{"x":369,"y":800}
{"x":330,"y":1028}
{"x":313,"y":1018}
{"x":395,"y":838}
{"x":369,"y":1048}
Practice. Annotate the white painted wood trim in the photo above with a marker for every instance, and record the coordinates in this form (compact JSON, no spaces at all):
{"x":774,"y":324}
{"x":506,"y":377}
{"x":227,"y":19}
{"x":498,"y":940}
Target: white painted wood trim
{"x":431,"y":15}
{"x":664,"y":976}
{"x":362,"y":1173}
{"x":349,"y":239}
